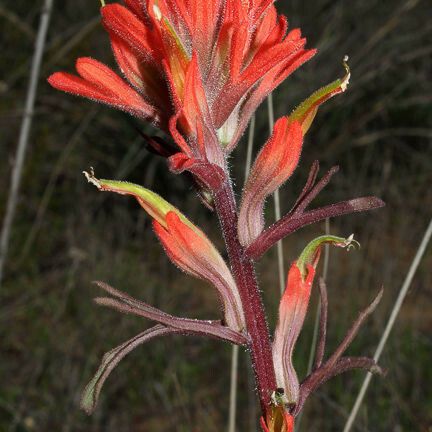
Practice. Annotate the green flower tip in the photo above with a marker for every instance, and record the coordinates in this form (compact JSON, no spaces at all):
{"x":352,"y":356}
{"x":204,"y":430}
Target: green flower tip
{"x":90,"y":176}
{"x":311,"y":252}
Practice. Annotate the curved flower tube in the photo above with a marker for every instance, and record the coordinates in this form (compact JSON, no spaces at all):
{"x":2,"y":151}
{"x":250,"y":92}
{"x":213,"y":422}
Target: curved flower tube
{"x":273,"y":166}
{"x":292,"y":312}
{"x":196,"y":255}
{"x":186,"y":245}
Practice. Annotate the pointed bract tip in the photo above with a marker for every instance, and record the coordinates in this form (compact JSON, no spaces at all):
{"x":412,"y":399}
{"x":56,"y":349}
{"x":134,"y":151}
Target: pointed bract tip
{"x":350,"y":243}
{"x":91,"y":178}
{"x":376,"y":301}
{"x":346,"y":78}
{"x":311,"y":252}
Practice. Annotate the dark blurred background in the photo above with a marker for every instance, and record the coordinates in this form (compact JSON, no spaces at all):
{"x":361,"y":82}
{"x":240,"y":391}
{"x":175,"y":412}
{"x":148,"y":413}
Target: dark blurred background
{"x":66,"y":234}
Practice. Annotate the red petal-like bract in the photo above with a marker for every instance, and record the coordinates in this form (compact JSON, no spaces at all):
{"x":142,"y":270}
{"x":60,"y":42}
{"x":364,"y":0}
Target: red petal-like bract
{"x":194,"y":253}
{"x":292,"y":312}
{"x":100,"y":83}
{"x":273,"y":166}
{"x":201,"y":68}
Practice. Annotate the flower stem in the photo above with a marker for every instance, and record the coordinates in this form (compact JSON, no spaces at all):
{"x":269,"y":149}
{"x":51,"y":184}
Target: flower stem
{"x":244,"y":274}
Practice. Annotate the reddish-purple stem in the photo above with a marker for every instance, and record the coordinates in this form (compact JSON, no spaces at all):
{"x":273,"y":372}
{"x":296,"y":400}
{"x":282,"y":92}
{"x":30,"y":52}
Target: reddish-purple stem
{"x":244,"y":274}
{"x":291,"y":223}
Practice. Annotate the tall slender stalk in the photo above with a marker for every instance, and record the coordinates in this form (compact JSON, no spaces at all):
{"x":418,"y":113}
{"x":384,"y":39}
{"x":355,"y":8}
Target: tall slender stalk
{"x":24,"y":133}
{"x":235,"y":348}
{"x":395,"y":311}
{"x":50,"y":187}
{"x":233,"y":389}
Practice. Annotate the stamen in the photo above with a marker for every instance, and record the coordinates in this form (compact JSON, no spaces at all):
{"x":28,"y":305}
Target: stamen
{"x":91,"y":178}
{"x":346,"y":78}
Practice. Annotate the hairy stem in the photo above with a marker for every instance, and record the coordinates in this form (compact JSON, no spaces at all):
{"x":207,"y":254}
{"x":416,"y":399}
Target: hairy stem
{"x":244,"y":274}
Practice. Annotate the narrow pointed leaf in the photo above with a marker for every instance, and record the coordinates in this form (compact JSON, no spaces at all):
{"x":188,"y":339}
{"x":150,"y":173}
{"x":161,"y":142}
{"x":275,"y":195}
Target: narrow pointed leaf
{"x":352,"y":332}
{"x":322,"y":375}
{"x":322,"y":332}
{"x":307,"y":196}
{"x":313,"y":173}
{"x":337,"y":364}
{"x":111,"y":359}
{"x":122,"y":302}
{"x":289,"y":224}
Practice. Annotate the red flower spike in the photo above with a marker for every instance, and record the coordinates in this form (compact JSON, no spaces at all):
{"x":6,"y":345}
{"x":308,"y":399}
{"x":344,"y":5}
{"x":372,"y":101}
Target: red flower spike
{"x":198,"y":72}
{"x":292,"y":312}
{"x":273,"y":166}
{"x":194,"y":253}
{"x":242,"y":52}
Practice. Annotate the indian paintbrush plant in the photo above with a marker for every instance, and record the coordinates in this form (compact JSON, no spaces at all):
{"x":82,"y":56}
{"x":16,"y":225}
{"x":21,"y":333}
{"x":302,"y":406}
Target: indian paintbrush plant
{"x":198,"y":71}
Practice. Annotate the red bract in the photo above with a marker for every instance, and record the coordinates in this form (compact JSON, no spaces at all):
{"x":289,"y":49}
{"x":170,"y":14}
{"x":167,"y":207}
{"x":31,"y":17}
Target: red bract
{"x":197,"y":71}
{"x":193,"y":252}
{"x":98,"y":82}
{"x":273,"y":166}
{"x":292,"y":312}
